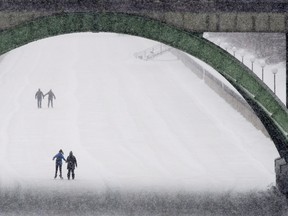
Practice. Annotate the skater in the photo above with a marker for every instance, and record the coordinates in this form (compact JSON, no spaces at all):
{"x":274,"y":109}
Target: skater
{"x":51,"y":96}
{"x":71,"y":164}
{"x":39,"y":96}
{"x":59,"y":157}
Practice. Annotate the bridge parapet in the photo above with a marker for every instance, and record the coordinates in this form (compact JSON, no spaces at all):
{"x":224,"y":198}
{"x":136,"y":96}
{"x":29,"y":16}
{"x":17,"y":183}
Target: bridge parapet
{"x":193,"y":16}
{"x":197,"y":6}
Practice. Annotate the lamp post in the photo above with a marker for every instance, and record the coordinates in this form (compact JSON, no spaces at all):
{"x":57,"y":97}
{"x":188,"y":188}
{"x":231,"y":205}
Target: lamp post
{"x":252,"y":59}
{"x":234,"y":50}
{"x":242,"y":57}
{"x":262,"y":64}
{"x":274,"y":71}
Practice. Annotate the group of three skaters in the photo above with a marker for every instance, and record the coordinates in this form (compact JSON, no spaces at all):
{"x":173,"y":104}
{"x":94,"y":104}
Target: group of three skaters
{"x":39,"y":96}
{"x":71,"y":164}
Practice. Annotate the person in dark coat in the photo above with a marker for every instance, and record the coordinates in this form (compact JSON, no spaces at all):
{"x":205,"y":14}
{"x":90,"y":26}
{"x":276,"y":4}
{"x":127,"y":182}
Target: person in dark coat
{"x":51,"y":96}
{"x":39,"y":96}
{"x":59,"y":157}
{"x":71,"y":164}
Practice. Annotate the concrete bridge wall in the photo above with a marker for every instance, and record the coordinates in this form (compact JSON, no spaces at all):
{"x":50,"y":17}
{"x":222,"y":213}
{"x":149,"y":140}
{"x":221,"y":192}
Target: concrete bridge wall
{"x":193,"y":15}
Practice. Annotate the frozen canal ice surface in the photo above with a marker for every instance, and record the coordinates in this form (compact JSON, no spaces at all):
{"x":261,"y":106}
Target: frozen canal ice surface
{"x":140,"y":126}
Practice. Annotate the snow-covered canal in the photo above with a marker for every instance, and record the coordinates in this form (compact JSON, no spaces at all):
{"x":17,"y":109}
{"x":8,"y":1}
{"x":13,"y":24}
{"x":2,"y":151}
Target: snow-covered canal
{"x":132,"y":124}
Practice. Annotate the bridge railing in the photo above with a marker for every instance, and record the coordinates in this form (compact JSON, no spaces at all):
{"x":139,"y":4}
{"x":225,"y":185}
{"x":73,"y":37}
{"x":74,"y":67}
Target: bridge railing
{"x":152,"y":52}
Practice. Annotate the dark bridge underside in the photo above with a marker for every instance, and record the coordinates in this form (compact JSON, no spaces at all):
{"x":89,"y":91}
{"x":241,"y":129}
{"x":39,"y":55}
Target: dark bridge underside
{"x":269,"y":109}
{"x":278,"y":6}
{"x":191,"y":15}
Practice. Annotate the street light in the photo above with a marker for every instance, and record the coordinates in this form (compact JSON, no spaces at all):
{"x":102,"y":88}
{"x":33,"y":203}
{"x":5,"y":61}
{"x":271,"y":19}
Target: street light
{"x":262,"y":64}
{"x":274,"y":71}
{"x":252,"y":59}
{"x":242,"y":56}
{"x":234,"y":50}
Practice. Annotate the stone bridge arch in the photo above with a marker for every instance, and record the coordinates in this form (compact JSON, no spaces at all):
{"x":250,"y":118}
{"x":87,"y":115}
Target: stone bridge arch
{"x":270,"y":110}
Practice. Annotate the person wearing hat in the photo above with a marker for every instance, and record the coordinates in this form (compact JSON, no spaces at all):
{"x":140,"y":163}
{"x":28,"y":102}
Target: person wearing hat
{"x":71,"y":164}
{"x":59,"y":157}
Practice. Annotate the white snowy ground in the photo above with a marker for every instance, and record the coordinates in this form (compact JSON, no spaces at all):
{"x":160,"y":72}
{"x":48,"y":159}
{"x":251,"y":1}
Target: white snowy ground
{"x":131,"y":123}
